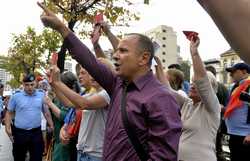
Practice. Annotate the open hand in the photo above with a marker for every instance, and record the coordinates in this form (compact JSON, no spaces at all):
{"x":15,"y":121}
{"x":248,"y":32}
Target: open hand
{"x":54,"y":74}
{"x":105,"y":27}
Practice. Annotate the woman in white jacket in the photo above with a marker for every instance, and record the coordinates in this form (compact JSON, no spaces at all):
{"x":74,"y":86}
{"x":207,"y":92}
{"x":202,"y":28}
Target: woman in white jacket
{"x":200,"y":113}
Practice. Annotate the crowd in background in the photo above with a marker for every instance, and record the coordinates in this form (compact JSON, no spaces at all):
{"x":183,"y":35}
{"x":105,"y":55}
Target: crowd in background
{"x":122,"y":110}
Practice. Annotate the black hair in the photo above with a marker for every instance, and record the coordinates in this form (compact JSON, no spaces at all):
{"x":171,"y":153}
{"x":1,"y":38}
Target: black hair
{"x":211,"y":69}
{"x":70,"y":80}
{"x":174,"y":66}
{"x":144,"y":44}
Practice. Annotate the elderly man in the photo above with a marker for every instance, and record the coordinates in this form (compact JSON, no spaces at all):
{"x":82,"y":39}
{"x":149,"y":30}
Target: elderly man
{"x":153,"y":128}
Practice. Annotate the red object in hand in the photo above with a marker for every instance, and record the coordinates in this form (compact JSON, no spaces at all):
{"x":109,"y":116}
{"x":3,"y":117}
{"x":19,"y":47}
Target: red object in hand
{"x":98,"y":18}
{"x":191,"y":35}
{"x":54,"y":58}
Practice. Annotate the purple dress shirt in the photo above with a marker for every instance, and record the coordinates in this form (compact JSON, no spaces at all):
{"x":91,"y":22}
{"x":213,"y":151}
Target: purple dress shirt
{"x":151,"y":108}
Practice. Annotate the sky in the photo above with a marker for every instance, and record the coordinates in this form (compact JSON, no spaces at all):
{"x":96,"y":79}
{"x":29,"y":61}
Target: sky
{"x":182,"y":15}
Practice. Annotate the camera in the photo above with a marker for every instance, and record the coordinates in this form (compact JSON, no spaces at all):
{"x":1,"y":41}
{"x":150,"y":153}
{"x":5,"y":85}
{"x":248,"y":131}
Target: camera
{"x":244,"y":96}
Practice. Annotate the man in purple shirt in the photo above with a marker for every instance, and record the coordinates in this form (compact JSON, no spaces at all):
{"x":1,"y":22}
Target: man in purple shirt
{"x":152,"y":110}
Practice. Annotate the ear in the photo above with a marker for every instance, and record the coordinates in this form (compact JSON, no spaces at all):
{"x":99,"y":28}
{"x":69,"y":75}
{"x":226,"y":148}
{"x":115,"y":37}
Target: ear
{"x":144,"y":58}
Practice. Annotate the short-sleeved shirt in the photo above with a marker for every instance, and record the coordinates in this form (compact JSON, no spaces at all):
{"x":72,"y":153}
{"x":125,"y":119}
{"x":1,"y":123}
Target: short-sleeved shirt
{"x":237,"y":121}
{"x":91,"y":134}
{"x":27,"y":109}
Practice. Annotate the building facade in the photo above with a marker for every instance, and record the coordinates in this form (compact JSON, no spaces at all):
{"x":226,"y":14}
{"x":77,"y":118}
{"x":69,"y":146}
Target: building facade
{"x":216,"y":64}
{"x":227,"y":59}
{"x":4,"y":78}
{"x":166,"y":37}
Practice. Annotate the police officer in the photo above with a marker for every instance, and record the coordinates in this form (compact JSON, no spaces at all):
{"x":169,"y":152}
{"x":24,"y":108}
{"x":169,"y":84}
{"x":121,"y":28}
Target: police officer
{"x":26,"y":106}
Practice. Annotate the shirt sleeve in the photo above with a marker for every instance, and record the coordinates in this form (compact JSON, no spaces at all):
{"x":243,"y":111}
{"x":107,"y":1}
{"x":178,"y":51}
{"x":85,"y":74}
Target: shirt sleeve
{"x":102,"y":74}
{"x":105,"y":95}
{"x":164,"y":127}
{"x":12,"y":104}
{"x":208,"y":96}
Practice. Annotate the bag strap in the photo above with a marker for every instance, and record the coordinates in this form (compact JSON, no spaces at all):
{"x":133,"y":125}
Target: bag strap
{"x":138,"y":147}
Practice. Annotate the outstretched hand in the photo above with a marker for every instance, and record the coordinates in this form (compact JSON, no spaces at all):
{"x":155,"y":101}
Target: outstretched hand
{"x":194,"y":44}
{"x":49,"y":19}
{"x":160,"y":72}
{"x":54,"y":74}
{"x":105,"y":27}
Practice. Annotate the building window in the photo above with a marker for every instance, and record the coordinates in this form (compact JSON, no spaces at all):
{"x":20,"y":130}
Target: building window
{"x":164,"y":38}
{"x":163,"y":60}
{"x":232,"y":62}
{"x":163,"y":53}
{"x":163,"y":30}
{"x":164,"y":45}
{"x":225,"y":63}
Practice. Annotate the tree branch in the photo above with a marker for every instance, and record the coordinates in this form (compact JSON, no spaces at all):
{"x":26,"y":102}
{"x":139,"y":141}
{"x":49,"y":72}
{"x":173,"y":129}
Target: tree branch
{"x":84,"y":8}
{"x":63,"y":9}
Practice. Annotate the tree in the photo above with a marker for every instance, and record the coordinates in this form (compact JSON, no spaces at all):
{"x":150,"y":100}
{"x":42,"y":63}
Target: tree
{"x":185,"y":67}
{"x":83,"y":11}
{"x":27,"y":53}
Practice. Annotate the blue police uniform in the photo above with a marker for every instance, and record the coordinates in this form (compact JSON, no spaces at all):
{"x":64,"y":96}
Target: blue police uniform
{"x":27,"y":125}
{"x":1,"y":109}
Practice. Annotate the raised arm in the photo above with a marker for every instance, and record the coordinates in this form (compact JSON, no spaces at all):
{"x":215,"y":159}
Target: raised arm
{"x":198,"y":65}
{"x":80,"y":52}
{"x":112,"y":38}
{"x":232,"y":18}
{"x":163,"y":79}
{"x":93,"y":102}
{"x":203,"y":85}
{"x":98,"y":51}
{"x":65,"y":101}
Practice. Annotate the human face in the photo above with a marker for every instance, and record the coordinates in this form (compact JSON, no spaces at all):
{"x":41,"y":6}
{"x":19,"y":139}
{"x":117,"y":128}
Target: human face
{"x":193,"y":93}
{"x":84,"y":78}
{"x":128,"y":59}
{"x":29,"y":87}
{"x":238,"y":75}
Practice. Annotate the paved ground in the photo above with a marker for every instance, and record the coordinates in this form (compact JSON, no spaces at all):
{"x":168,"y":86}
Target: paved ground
{"x":5,"y":146}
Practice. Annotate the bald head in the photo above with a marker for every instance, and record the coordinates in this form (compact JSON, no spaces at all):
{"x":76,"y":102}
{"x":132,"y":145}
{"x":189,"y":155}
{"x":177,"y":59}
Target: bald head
{"x":144,"y":44}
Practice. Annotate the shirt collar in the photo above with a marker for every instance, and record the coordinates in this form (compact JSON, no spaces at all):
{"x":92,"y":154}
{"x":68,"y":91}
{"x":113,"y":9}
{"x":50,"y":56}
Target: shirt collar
{"x":143,"y":80}
{"x":33,"y":94}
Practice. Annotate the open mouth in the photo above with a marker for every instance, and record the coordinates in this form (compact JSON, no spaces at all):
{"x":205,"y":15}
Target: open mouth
{"x":117,"y":66}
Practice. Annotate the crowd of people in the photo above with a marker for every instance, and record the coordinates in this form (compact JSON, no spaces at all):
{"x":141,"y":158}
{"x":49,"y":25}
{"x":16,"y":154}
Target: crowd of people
{"x":125,"y":111}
